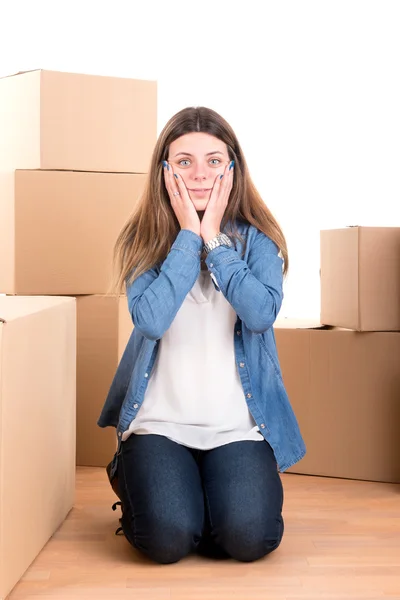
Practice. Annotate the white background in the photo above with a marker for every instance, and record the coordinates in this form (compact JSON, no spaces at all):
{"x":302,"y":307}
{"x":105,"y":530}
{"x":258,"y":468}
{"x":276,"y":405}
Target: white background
{"x":312,"y":89}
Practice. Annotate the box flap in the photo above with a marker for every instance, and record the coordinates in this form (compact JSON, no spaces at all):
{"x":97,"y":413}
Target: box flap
{"x":16,"y":307}
{"x":20,"y":73}
{"x":289,"y":323}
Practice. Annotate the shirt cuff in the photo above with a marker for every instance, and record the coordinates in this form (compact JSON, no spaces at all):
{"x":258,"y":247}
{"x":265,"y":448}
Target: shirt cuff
{"x":189,"y":242}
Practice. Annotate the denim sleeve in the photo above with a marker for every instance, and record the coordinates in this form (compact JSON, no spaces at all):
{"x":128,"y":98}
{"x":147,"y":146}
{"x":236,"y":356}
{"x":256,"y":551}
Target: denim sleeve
{"x":155,"y":298}
{"x":253,"y":288}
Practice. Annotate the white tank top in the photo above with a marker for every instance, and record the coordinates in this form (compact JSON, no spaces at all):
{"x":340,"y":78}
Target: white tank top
{"x":194,"y":395}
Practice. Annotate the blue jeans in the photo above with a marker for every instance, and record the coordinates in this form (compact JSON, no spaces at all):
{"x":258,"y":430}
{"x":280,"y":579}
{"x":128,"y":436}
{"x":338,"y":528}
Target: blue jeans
{"x":225,"y":502}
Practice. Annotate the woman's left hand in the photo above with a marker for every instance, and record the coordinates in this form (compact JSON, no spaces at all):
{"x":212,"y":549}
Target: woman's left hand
{"x":216,"y":206}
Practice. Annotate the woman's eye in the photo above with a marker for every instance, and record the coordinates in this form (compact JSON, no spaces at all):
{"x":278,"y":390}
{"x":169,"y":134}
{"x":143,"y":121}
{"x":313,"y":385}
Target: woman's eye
{"x":185,"y":162}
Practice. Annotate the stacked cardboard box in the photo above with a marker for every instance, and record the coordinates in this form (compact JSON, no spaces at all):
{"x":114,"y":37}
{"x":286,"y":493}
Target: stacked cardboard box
{"x":37,"y":426}
{"x":343,"y":377}
{"x":74,"y":152}
{"x":104,"y":326}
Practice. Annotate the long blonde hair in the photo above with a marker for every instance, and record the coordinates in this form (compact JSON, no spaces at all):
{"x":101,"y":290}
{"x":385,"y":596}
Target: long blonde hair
{"x":151,"y":229}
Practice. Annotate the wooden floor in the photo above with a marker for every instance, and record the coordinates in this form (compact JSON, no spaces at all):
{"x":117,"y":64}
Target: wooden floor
{"x":342,"y":540}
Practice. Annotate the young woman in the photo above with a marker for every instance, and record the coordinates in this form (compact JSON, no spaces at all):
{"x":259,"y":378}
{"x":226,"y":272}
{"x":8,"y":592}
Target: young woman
{"x":204,"y":424}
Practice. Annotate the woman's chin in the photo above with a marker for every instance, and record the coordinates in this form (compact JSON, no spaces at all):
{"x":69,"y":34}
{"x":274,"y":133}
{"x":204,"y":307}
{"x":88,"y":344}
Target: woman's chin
{"x":200,"y":203}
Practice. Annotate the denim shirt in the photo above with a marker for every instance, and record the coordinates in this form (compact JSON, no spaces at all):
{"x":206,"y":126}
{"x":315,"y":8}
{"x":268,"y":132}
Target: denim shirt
{"x":252,"y":284}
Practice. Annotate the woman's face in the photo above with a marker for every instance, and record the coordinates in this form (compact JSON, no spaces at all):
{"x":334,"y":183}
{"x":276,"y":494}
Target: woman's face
{"x":198,"y":158}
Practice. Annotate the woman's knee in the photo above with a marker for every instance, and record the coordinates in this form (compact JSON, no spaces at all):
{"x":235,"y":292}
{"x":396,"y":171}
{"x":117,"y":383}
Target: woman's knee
{"x":175,"y":543}
{"x":248,"y":542}
{"x":162,"y":540}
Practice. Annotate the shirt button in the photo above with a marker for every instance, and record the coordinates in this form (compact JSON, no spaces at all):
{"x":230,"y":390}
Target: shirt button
{"x":211,"y":264}
{"x":262,"y":426}
{"x":241,"y":364}
{"x":119,"y":434}
{"x":135,"y":406}
{"x":238,"y":332}
{"x":248,"y":395}
{"x":146,"y":374}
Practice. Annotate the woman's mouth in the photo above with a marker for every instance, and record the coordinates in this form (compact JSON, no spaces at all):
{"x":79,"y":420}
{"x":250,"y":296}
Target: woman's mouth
{"x":200,"y":191}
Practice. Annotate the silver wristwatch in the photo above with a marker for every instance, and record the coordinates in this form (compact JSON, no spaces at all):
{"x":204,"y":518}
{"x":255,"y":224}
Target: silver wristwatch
{"x":221,"y":239}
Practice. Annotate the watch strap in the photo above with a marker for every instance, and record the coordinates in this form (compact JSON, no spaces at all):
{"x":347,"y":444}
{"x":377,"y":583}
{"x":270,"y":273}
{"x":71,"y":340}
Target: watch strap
{"x":221,"y":239}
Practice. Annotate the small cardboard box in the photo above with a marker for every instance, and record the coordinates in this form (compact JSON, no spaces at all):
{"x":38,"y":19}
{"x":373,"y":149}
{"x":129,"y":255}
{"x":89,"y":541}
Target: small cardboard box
{"x":37,"y":426}
{"x":104,"y":327}
{"x":67,"y":121}
{"x":360,"y":278}
{"x":58,"y":229}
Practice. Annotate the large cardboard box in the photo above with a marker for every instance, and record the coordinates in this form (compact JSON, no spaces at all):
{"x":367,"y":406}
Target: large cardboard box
{"x":104,"y":327}
{"x":53,"y":120}
{"x":344,"y":387}
{"x":58,"y":229}
{"x":360,"y":278}
{"x":37,"y":426}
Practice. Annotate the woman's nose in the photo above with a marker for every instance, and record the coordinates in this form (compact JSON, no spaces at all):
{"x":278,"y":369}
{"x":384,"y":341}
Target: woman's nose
{"x":199,"y":173}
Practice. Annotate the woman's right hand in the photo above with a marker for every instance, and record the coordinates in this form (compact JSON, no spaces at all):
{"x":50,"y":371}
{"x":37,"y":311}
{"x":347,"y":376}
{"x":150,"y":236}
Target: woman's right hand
{"x":181,"y":203}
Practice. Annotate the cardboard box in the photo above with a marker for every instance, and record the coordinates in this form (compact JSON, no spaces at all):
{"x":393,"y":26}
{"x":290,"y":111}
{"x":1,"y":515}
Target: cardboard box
{"x":360,"y":278}
{"x":37,"y":426}
{"x":58,"y":229}
{"x":104,"y":327}
{"x":53,"y":120}
{"x":344,"y":387}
